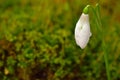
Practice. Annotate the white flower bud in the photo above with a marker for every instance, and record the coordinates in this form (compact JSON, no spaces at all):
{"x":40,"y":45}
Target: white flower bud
{"x":82,"y":31}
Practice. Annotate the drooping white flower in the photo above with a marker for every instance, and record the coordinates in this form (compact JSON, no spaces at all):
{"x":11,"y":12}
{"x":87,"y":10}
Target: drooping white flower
{"x":82,"y":31}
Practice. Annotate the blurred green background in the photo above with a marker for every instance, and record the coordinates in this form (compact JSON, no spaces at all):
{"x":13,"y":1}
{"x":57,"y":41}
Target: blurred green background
{"x":37,"y":40}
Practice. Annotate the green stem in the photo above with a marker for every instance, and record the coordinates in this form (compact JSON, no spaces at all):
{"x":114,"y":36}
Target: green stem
{"x":103,"y":43}
{"x":99,"y":26}
{"x":106,"y":63}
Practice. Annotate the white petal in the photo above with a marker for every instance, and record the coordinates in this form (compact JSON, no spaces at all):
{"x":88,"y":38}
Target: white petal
{"x":82,"y":31}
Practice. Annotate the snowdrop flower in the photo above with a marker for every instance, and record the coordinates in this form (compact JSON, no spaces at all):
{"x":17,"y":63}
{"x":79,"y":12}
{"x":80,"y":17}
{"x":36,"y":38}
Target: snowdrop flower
{"x":82,"y":29}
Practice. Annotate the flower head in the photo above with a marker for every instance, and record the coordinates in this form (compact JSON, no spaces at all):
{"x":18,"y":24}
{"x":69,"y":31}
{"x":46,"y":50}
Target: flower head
{"x":82,"y":31}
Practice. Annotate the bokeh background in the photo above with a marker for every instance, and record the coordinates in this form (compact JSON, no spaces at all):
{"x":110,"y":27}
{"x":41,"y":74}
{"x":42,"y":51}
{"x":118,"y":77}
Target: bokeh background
{"x":37,"y":40}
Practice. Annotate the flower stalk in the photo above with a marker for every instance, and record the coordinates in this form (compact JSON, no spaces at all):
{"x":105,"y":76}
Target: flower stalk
{"x":103,"y":43}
